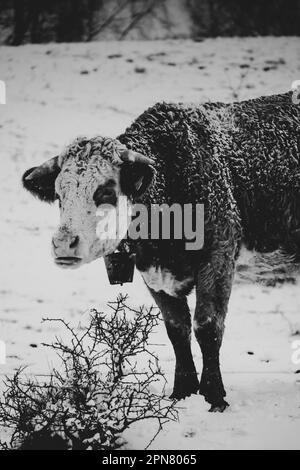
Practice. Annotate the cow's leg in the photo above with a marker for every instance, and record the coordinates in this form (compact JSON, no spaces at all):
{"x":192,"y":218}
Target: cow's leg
{"x":177,"y":319}
{"x":212,"y":294}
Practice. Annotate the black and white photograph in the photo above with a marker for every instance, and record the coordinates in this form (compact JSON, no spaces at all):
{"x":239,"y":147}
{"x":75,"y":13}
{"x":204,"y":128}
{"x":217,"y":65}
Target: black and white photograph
{"x":150,"y":227}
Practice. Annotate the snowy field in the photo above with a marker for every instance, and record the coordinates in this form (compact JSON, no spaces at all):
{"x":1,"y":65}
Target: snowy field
{"x":54,"y":93}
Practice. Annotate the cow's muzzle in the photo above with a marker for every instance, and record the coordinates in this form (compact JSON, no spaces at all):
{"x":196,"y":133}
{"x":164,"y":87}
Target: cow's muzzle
{"x":67,"y":260}
{"x":65,"y":249}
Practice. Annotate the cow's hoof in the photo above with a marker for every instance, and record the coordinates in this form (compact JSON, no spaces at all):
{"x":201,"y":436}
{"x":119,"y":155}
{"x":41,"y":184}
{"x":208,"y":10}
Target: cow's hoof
{"x":211,"y":387}
{"x":219,"y":407}
{"x":187,"y":387}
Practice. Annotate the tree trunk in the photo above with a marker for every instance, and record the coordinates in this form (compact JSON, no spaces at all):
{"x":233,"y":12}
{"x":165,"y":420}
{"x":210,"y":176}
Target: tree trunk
{"x":34,"y":19}
{"x":19,"y":23}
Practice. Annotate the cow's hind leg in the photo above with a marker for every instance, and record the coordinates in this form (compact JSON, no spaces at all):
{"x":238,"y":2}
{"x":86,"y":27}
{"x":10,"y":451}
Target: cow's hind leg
{"x":177,"y":319}
{"x":212,"y":299}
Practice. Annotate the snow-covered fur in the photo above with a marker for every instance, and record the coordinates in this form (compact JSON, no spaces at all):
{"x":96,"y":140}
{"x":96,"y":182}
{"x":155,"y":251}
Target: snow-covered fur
{"x":241,"y":161}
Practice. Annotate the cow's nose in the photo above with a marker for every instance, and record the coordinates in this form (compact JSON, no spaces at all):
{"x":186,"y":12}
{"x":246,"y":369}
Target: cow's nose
{"x":65,"y":244}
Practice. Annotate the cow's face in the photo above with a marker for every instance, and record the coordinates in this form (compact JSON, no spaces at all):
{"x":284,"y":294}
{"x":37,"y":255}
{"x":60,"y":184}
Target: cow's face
{"x":95,"y":182}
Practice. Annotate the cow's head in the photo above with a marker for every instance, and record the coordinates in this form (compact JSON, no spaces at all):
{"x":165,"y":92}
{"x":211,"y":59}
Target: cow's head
{"x":90,"y":176}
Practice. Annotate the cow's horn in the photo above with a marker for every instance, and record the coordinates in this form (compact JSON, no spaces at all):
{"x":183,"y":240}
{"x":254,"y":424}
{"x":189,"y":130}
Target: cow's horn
{"x":135,"y":157}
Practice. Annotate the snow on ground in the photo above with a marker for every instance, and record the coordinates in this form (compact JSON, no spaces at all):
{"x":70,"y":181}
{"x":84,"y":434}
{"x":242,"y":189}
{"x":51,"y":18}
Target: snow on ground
{"x":54,"y":93}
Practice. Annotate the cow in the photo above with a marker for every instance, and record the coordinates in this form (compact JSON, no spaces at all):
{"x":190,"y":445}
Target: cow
{"x":239,"y":160}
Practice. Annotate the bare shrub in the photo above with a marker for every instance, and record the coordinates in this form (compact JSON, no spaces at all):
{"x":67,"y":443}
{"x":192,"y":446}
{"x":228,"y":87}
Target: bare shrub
{"x":104,"y":385}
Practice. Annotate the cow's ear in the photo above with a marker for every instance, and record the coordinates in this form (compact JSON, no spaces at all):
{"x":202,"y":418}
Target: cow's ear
{"x":40,"y":180}
{"x":137,"y":172}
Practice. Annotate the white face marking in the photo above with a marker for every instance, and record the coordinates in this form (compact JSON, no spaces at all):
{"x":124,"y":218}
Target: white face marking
{"x":83,"y":171}
{"x":161,"y":279}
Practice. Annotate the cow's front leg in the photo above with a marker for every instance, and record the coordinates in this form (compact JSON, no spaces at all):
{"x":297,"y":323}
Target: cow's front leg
{"x":177,"y":319}
{"x":211,"y":307}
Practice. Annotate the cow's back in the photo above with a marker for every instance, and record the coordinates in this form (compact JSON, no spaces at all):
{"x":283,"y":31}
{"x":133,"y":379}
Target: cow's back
{"x":263,"y":155}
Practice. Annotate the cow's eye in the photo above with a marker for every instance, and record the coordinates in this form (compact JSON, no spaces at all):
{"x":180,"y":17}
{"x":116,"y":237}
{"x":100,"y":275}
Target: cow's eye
{"x":105,"y":196}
